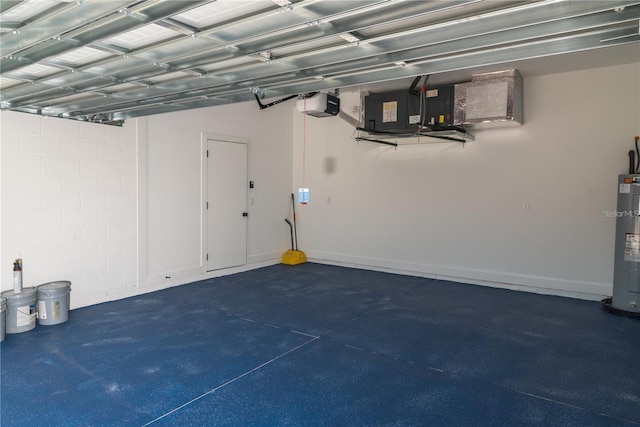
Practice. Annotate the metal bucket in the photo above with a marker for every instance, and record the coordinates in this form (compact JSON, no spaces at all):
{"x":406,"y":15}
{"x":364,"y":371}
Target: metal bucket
{"x":53,"y":302}
{"x":3,"y":317}
{"x":21,"y":310}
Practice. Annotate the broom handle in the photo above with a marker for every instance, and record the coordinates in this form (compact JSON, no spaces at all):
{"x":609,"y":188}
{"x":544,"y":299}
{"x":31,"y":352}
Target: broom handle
{"x":291,"y":228}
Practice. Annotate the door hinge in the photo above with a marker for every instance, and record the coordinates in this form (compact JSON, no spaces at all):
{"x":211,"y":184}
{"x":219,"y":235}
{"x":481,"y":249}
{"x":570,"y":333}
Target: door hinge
{"x":207,"y":205}
{"x":207,"y":153}
{"x":207,"y":257}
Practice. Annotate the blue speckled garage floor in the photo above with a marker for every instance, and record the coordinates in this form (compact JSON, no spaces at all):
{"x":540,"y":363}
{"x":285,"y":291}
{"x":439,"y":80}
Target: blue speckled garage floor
{"x":321,"y":345}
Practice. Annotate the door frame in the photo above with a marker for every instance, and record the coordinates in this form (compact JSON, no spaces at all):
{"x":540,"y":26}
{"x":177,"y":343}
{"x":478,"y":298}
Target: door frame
{"x":204,"y":137}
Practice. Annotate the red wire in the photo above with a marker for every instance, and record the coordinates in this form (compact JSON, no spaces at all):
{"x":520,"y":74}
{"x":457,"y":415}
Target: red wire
{"x":304,"y":146}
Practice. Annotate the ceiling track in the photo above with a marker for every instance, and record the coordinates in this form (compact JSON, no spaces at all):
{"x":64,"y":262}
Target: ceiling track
{"x":305,"y":46}
{"x":137,"y":59}
{"x":6,"y":5}
{"x":115,"y":22}
{"x":405,"y":40}
{"x":180,"y":66}
{"x":434,"y":66}
{"x":352,"y":62}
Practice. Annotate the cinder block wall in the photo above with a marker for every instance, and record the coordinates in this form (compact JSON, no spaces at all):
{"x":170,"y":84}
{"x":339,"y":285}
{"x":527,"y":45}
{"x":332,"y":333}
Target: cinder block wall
{"x":69,"y":204}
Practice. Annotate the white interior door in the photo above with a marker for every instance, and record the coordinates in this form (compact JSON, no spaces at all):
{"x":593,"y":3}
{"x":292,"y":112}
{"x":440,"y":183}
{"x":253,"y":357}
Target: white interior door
{"x":226,"y":204}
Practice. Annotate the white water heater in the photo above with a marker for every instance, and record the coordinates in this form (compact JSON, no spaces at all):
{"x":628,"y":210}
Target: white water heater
{"x":626,"y":274}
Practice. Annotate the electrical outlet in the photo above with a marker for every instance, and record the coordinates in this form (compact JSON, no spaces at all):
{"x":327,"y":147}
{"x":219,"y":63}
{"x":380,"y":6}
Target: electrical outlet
{"x":525,"y":207}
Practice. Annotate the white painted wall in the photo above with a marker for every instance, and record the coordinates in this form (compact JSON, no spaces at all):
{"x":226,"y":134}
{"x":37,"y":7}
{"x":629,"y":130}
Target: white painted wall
{"x":444,"y":210}
{"x":69,"y":205}
{"x":173,"y":171}
{"x":116,"y":210}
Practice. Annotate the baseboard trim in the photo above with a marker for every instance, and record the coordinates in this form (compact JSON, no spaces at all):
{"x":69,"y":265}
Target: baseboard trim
{"x":184,"y":277}
{"x":528,"y":283}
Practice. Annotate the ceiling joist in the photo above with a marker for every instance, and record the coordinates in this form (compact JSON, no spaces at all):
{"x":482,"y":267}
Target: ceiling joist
{"x":119,"y":59}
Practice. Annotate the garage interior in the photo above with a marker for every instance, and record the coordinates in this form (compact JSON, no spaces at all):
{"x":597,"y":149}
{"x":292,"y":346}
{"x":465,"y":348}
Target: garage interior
{"x":150,"y":151}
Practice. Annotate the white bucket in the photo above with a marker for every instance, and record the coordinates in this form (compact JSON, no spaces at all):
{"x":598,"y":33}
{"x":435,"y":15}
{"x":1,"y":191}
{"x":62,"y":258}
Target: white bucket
{"x":21,"y":310}
{"x":3,"y":317}
{"x":53,"y":302}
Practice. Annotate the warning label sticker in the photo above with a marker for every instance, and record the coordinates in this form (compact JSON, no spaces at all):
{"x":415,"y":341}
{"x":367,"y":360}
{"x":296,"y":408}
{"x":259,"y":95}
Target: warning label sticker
{"x":42,"y":310}
{"x":26,"y":315}
{"x":632,"y":247}
{"x":414,"y":120}
{"x":625,"y":188}
{"x":390,"y":111}
{"x":55,"y":309}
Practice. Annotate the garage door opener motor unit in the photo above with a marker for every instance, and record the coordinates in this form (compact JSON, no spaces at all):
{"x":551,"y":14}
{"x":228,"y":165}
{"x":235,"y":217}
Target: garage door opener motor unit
{"x":319,"y":105}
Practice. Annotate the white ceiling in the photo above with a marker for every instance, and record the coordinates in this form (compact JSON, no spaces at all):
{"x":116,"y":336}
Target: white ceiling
{"x":109,"y":60}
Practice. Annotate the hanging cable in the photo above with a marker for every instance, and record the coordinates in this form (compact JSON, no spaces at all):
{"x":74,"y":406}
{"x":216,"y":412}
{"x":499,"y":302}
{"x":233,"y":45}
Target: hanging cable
{"x":637,"y":154}
{"x":304,"y":146}
{"x":271,"y":104}
{"x":412,"y":88}
{"x":423,"y":101}
{"x":421,"y":110}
